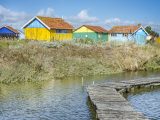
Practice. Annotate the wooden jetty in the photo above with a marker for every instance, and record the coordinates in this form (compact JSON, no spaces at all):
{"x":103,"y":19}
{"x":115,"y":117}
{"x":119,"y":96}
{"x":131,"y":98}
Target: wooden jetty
{"x":109,"y":102}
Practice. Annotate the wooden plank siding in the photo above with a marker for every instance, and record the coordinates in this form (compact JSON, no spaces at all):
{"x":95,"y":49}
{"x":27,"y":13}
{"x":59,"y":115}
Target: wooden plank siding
{"x":83,"y":29}
{"x":45,"y":34}
{"x":8,"y":32}
{"x":136,"y":34}
{"x":85,"y":33}
{"x":158,"y":40}
{"x":37,"y":34}
{"x":91,"y":35}
{"x":36,"y":30}
{"x":61,"y":36}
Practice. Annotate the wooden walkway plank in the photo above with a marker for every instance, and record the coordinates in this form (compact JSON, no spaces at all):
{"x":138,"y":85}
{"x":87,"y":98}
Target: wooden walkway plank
{"x":111,"y":105}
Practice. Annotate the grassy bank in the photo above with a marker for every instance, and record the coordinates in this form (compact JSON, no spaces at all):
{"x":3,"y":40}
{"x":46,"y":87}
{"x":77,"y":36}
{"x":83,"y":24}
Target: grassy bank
{"x":33,"y":61}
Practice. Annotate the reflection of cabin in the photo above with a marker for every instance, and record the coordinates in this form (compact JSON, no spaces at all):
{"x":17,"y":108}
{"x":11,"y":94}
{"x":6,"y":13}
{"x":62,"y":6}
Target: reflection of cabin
{"x":48,"y":29}
{"x":8,"y":32}
{"x":128,"y":33}
{"x":95,"y":33}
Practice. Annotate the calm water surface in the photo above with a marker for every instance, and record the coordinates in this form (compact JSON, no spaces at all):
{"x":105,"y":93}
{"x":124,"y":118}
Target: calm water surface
{"x":55,"y":100}
{"x":147,"y":101}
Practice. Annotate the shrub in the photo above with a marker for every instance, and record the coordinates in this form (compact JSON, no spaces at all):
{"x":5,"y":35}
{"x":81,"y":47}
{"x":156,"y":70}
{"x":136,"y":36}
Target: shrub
{"x":35,"y":61}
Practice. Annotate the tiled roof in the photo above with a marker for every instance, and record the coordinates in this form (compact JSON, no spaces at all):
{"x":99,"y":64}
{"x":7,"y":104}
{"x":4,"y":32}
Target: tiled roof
{"x":55,"y":23}
{"x":124,"y":29}
{"x":96,"y":29}
{"x":12,"y":29}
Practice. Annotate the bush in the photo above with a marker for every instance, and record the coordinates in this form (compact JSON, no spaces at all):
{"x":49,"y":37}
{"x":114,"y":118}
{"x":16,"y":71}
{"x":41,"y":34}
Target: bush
{"x":36,"y":61}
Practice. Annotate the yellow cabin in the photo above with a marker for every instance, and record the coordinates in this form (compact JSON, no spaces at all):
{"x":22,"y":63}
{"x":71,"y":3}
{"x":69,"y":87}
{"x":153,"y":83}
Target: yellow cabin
{"x":48,"y":29}
{"x":158,"y":40}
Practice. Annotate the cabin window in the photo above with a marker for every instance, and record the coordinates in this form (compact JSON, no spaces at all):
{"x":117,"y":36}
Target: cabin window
{"x":113,"y":34}
{"x":99,"y":35}
{"x":125,"y":35}
{"x":61,"y":31}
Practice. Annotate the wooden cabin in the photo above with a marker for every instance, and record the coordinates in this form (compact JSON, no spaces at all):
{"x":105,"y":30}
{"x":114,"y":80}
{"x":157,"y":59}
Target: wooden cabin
{"x":95,"y":33}
{"x":158,"y":40}
{"x":47,"y":29}
{"x":133,"y":33}
{"x":8,"y":32}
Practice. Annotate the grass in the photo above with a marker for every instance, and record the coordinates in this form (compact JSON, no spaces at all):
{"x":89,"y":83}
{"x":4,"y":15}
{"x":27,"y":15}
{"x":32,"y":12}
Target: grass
{"x":8,"y":43}
{"x":22,"y":61}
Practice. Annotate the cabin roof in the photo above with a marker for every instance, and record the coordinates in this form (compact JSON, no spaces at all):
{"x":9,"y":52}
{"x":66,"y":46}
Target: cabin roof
{"x":11,"y":29}
{"x":52,"y":23}
{"x":97,"y":29}
{"x":55,"y":23}
{"x":124,"y":29}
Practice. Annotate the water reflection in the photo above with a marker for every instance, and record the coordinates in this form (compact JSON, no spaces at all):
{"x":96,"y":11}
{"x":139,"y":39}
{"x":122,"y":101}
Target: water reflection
{"x":54,"y":99}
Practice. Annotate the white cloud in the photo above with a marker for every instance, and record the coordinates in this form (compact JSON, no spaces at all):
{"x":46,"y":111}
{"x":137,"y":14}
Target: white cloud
{"x":18,"y":19}
{"x":49,"y":12}
{"x":10,"y":17}
{"x":83,"y":18}
{"x":113,"y":21}
{"x":118,"y":21}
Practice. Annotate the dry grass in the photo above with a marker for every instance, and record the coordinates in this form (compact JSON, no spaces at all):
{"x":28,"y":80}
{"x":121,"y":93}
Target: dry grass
{"x":133,"y":57}
{"x":33,"y":61}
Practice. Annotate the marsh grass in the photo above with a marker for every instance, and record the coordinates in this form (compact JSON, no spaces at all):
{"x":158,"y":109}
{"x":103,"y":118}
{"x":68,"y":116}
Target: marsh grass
{"x":22,"y":61}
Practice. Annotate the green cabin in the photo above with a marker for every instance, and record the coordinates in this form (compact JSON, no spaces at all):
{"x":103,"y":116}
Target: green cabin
{"x":95,"y":33}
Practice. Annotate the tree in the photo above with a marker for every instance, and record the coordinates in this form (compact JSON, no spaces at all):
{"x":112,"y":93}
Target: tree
{"x":153,"y":33}
{"x":148,"y":29}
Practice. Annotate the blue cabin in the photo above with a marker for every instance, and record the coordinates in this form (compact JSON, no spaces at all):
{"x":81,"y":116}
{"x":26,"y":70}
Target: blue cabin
{"x":8,"y":32}
{"x":135,"y":34}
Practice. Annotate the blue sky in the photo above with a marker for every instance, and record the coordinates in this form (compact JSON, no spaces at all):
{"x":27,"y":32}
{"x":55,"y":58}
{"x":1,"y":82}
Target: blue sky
{"x":101,"y":12}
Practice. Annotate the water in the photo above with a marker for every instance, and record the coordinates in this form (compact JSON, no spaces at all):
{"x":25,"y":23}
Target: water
{"x":147,"y":101}
{"x":53,"y":100}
